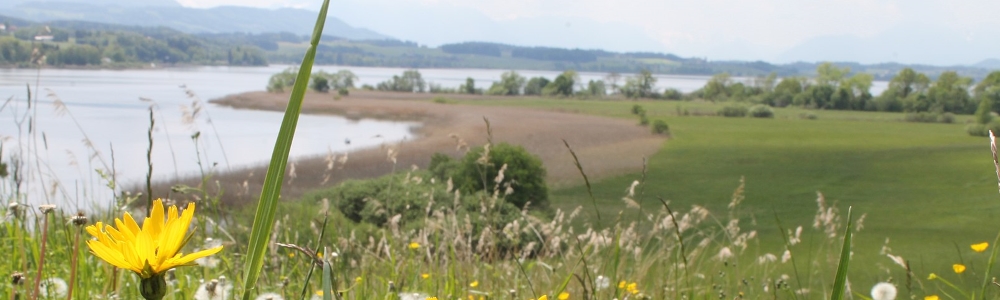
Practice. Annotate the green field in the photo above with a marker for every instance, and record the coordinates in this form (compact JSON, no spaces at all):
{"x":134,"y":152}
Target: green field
{"x":929,"y":188}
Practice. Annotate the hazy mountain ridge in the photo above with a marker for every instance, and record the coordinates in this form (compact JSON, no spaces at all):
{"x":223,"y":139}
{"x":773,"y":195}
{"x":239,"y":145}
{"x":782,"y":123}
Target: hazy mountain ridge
{"x":224,"y":19}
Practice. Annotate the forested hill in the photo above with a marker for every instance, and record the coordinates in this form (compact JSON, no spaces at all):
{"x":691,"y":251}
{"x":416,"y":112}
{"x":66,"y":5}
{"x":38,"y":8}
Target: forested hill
{"x":80,"y":43}
{"x":87,"y":44}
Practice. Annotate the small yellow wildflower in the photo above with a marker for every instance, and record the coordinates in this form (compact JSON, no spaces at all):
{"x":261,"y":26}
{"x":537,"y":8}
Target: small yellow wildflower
{"x":563,"y":296}
{"x":474,"y":283}
{"x":621,"y":284}
{"x":414,"y":245}
{"x":632,"y":288}
{"x":319,"y":292}
{"x":432,"y":298}
{"x":544,"y":297}
{"x":319,"y":254}
{"x":291,"y":254}
{"x":425,"y":275}
{"x":959,"y":268}
{"x":980,"y":247}
{"x":932,"y":276}
{"x":932,"y":297}
{"x":357,"y":279}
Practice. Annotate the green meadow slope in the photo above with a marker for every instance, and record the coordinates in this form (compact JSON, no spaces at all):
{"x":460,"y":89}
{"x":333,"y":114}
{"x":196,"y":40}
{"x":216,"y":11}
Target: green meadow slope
{"x":930,"y":189}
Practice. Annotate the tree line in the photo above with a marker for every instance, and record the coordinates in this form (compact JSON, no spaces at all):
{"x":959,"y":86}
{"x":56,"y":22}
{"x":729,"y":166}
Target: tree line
{"x":112,"y":47}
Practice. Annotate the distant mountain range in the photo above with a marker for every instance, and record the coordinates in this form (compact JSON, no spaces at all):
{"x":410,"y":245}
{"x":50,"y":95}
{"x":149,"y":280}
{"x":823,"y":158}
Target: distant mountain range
{"x":167,"y":13}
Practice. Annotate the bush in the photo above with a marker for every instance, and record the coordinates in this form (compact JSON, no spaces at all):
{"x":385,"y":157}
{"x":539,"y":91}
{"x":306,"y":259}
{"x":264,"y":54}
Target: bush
{"x":977,"y":129}
{"x":733,"y":110}
{"x":808,"y":116}
{"x":375,"y":201}
{"x":320,"y":84}
{"x":343,"y":92}
{"x":443,"y":167}
{"x":524,"y":174}
{"x":947,"y":118}
{"x":671,"y":94}
{"x":643,"y":120}
{"x":761,"y":111}
{"x":661,"y":127}
{"x":638,"y":110}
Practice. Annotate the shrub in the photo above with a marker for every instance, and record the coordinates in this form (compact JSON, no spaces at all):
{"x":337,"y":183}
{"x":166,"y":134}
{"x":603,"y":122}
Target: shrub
{"x":320,"y":84}
{"x":671,"y":94}
{"x":374,"y":201}
{"x":761,"y":111}
{"x":638,"y":110}
{"x":947,"y":118}
{"x":977,"y":129}
{"x":733,"y":110}
{"x":808,"y":116}
{"x":643,"y":120}
{"x":443,"y":167}
{"x":343,"y":92}
{"x":524,"y":174}
{"x":661,"y":127}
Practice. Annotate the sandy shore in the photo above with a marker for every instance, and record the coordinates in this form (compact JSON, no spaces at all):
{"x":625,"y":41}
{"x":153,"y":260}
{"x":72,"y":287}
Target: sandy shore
{"x":605,"y":146}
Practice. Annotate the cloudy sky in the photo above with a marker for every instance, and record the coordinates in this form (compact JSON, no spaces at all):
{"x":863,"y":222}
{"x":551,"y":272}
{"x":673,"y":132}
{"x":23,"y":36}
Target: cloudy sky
{"x":870,"y":31}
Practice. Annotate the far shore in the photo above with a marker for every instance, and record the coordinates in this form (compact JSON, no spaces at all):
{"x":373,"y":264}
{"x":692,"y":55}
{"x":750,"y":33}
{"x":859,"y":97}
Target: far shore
{"x":605,"y":146}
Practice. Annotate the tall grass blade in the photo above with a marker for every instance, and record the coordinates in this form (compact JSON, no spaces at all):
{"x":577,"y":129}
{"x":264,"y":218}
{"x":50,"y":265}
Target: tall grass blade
{"x":840,"y":283}
{"x":327,"y":281}
{"x":267,"y":205}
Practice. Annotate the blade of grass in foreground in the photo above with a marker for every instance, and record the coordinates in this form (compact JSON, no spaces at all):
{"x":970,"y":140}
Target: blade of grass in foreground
{"x":263,"y":221}
{"x":840,"y":283}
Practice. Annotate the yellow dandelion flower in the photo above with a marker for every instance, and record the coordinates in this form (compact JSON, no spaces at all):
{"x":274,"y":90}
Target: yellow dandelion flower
{"x":980,"y":247}
{"x":932,"y":297}
{"x":932,"y":276}
{"x":425,"y":275}
{"x":632,"y":288}
{"x":474,"y":283}
{"x":959,"y":268}
{"x":151,"y":250}
{"x":563,"y":296}
{"x":414,"y":245}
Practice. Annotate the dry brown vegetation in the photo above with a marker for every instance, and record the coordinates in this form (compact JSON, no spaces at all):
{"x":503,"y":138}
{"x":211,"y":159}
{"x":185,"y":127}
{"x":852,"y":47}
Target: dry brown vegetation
{"x":605,"y":146}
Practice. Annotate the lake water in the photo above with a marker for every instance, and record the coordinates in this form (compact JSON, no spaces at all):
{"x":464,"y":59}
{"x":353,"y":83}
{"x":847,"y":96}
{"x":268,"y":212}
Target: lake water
{"x":104,"y":107}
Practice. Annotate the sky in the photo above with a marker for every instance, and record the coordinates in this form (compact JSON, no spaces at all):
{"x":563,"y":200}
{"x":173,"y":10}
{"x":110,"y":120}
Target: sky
{"x":937,"y":32}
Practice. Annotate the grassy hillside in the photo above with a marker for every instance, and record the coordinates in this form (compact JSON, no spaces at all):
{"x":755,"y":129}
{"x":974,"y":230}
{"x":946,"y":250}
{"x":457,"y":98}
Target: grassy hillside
{"x":926,"y":187}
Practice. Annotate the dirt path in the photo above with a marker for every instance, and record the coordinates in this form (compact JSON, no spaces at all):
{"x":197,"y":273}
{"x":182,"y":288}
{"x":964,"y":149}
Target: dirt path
{"x":605,"y":146}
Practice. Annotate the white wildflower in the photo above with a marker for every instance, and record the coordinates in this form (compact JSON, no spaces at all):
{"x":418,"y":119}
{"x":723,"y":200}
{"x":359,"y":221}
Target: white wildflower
{"x":53,"y":287}
{"x":884,"y":291}
{"x":602,"y":282}
{"x":269,"y":296}
{"x":786,"y":256}
{"x":724,"y":254}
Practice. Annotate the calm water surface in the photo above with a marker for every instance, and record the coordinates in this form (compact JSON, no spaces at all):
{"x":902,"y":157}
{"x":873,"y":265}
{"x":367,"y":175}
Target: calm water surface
{"x":104,"y":108}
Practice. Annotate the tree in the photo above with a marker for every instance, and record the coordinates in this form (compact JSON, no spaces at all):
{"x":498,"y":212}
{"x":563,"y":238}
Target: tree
{"x":411,"y":81}
{"x":787,"y":89}
{"x":562,"y":85}
{"x":717,"y":88}
{"x":829,"y":74}
{"x":950,"y":93}
{"x":279,"y":81}
{"x":596,"y":88}
{"x":320,"y":84}
{"x":613,"y":79}
{"x":535,"y":85}
{"x":509,"y":85}
{"x":469,"y":87}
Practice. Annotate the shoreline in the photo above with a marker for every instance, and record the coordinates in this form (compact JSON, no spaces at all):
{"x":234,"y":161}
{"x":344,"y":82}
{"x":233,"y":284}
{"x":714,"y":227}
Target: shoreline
{"x":605,"y":146}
